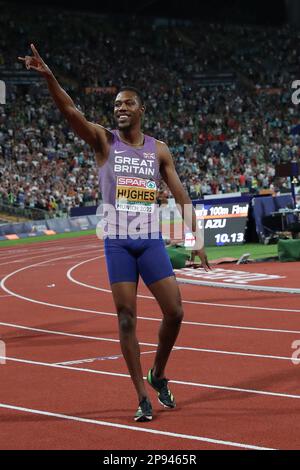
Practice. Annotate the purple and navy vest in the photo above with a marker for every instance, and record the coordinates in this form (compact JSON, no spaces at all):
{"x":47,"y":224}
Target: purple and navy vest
{"x":129,"y":180}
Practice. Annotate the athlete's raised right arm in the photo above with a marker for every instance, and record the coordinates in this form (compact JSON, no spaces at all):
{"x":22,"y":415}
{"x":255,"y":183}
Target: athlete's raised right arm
{"x":95,"y":135}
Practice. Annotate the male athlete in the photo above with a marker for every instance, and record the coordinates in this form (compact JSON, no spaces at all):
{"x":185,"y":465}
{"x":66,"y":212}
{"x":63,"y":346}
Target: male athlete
{"x":131,"y":165}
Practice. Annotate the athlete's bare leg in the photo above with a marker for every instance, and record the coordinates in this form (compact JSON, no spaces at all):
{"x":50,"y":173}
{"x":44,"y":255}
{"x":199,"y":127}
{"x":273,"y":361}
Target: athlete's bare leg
{"x":168,"y":296}
{"x":124,"y":294}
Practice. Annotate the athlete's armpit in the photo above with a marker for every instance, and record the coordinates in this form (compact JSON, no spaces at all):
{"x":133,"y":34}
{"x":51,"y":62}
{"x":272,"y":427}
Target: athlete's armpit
{"x":102,"y":145}
{"x":169,"y":173}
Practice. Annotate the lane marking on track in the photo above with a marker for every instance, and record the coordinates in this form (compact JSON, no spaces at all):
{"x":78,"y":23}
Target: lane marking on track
{"x":101,"y":289}
{"x":47,"y":252}
{"x":94,"y":359}
{"x":40,"y":264}
{"x":178,"y":348}
{"x":233,"y":353}
{"x":178,"y":382}
{"x":142,"y":318}
{"x":175,"y":348}
{"x":54,"y":245}
{"x":89,"y":360}
{"x":209,"y":325}
{"x":8,"y":276}
{"x":134,"y":428}
{"x":11,"y":254}
{"x":105,"y":313}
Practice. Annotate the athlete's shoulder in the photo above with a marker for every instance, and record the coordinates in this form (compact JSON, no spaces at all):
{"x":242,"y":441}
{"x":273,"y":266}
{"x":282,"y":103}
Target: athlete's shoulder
{"x":161,"y":145}
{"x":162,"y":149}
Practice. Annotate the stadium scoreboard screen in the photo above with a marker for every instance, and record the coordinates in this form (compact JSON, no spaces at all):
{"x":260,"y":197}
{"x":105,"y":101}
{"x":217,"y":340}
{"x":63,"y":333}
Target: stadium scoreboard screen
{"x":223,"y":224}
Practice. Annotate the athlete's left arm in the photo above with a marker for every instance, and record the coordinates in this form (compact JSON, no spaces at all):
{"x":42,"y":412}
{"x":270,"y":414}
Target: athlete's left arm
{"x":171,"y":178}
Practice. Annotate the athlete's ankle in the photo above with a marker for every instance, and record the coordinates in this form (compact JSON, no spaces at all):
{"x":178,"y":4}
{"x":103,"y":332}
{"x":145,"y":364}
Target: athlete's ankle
{"x":142,"y":397}
{"x":158,"y":374}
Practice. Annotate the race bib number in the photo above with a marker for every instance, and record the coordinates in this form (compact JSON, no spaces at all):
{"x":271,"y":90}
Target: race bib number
{"x":135,"y":194}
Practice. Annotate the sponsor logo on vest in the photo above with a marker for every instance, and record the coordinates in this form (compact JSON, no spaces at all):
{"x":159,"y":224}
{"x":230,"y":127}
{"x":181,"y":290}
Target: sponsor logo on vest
{"x":137,"y":182}
{"x":135,"y":191}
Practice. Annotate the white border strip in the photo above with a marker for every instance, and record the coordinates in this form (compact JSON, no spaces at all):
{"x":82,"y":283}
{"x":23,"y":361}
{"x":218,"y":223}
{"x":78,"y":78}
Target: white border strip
{"x":30,"y":257}
{"x":192,"y":302}
{"x":195,"y":282}
{"x":178,"y":382}
{"x":98,"y":338}
{"x":176,"y":348}
{"x":133,"y":428}
{"x":210,"y":304}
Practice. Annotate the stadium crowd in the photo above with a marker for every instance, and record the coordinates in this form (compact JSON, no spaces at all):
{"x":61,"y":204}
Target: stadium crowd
{"x":225,"y":136}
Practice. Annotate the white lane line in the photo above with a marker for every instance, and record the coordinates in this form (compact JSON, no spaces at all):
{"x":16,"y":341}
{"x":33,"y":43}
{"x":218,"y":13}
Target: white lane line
{"x":178,"y":348}
{"x":234,"y":353}
{"x":70,"y":257}
{"x":240,"y":354}
{"x":105,"y":313}
{"x":40,"y":302}
{"x":10,"y":255}
{"x":48,"y":252}
{"x":62,"y":333}
{"x":134,"y":428}
{"x":52,"y":251}
{"x":89,"y":286}
{"x":5,"y":295}
{"x":22,"y":260}
{"x":109,"y":291}
{"x":178,"y":382}
{"x":209,"y":325}
{"x":185,"y":348}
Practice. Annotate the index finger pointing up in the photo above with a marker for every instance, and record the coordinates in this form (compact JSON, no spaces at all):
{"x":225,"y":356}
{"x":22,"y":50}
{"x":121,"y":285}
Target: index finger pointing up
{"x":35,"y":52}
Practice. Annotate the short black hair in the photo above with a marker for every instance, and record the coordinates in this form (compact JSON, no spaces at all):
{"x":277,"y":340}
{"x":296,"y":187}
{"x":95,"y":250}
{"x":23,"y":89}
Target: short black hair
{"x":134,"y":90}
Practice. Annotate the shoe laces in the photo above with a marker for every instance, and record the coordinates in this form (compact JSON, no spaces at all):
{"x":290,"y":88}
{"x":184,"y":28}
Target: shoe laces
{"x":145,"y":404}
{"x":163,"y":386}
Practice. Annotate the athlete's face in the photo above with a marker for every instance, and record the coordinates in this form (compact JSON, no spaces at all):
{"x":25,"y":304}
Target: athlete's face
{"x":128,"y":110}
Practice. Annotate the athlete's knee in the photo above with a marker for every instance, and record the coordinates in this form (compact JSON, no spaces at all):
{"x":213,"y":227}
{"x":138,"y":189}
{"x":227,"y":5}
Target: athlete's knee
{"x":175,"y":314}
{"x":126,"y":317}
{"x":179,"y":314}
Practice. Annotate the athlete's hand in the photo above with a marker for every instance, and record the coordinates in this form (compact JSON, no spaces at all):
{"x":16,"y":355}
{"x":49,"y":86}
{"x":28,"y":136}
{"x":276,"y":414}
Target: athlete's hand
{"x":35,"y":62}
{"x":203,"y":258}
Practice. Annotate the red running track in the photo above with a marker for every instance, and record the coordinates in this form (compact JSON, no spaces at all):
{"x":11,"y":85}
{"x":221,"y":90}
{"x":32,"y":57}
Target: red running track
{"x":66,"y":386}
